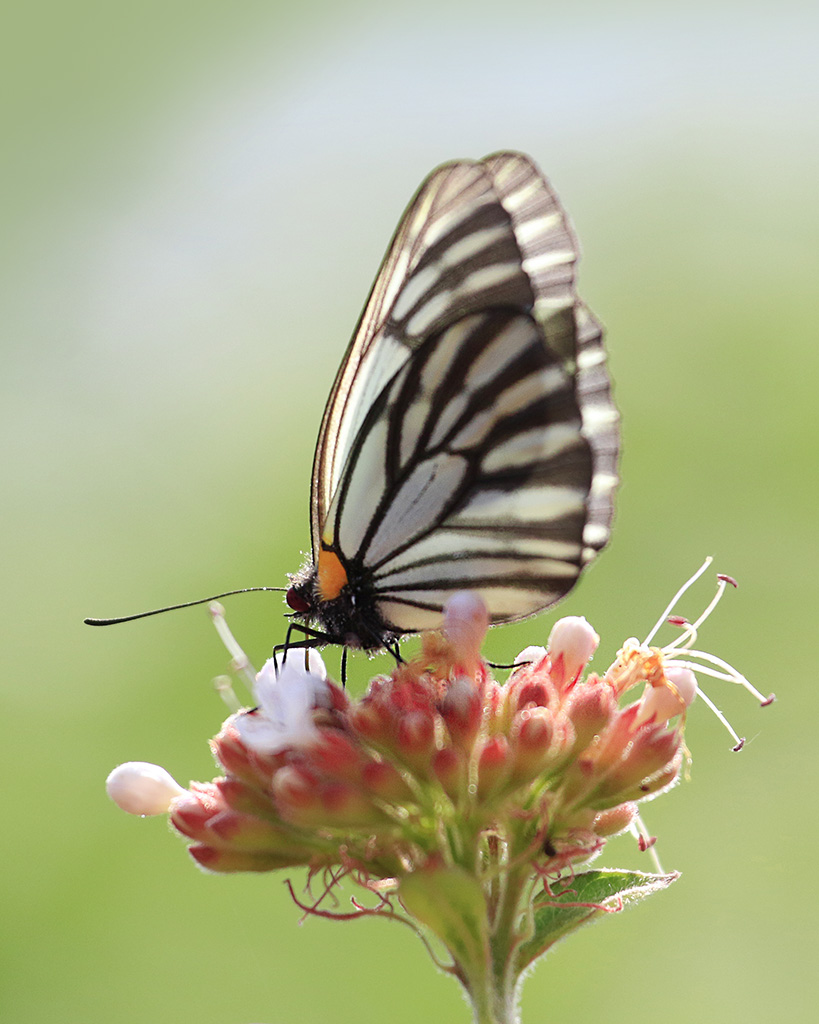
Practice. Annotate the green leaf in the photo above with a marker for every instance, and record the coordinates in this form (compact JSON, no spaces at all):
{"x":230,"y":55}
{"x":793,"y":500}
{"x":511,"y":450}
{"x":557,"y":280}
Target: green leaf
{"x":582,"y":898}
{"x":450,"y":902}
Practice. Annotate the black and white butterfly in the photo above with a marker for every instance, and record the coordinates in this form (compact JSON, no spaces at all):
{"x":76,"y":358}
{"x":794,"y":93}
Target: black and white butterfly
{"x":470,"y":439}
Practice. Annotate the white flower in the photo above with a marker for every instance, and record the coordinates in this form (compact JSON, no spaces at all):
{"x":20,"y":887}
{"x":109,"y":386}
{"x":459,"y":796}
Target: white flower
{"x":671,"y":697}
{"x":286,"y":691}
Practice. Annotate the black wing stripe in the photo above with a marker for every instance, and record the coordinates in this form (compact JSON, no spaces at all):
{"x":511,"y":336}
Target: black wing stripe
{"x":507,"y":459}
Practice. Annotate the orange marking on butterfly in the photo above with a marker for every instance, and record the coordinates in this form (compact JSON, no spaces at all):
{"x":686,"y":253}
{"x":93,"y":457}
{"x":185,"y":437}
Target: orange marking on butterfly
{"x":332,"y":576}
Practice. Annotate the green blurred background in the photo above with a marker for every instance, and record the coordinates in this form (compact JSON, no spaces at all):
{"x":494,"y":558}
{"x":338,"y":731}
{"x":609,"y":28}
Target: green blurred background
{"x":196,"y":198}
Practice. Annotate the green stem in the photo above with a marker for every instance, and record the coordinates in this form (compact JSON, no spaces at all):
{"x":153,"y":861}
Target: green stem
{"x":492,"y":985}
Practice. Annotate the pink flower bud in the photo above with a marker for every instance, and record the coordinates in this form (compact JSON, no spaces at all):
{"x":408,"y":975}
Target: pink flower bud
{"x":295,"y":793}
{"x":450,"y":770}
{"x":523,"y":691}
{"x":590,"y":707}
{"x":614,"y":820}
{"x":462,"y":711}
{"x":370,"y":721}
{"x":494,"y":765}
{"x":240,"y":761}
{"x":383,"y":780}
{"x":336,"y":755}
{"x":212,"y":859}
{"x":192,"y":813}
{"x":345,"y":806}
{"x":466,"y":621}
{"x":652,"y":750}
{"x":531,"y":656}
{"x":415,"y":738}
{"x":142,"y":788}
{"x":533,"y":746}
{"x":572,"y":642}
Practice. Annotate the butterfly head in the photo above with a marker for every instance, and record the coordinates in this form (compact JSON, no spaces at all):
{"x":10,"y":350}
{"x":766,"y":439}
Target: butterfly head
{"x":339,"y":608}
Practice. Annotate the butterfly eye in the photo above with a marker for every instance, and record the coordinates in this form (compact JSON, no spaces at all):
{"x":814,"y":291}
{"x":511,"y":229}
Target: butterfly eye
{"x":297,"y":601}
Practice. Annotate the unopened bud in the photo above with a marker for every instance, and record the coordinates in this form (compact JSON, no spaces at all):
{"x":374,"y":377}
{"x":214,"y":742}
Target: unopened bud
{"x":450,"y":770}
{"x":572,"y":642}
{"x":142,"y":788}
{"x":466,"y":621}
{"x":493,"y":766}
{"x":462,"y":711}
{"x":531,"y":656}
{"x":614,"y":820}
{"x":415,"y":738}
{"x":590,"y":707}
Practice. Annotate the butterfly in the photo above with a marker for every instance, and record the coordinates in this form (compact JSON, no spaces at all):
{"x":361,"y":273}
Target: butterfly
{"x":470,"y":439}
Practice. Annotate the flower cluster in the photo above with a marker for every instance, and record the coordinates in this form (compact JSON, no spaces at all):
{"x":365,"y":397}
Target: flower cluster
{"x":468,"y":807}
{"x":438,"y":763}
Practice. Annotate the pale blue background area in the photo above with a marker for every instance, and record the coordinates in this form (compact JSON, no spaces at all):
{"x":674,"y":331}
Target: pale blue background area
{"x":196,"y":199}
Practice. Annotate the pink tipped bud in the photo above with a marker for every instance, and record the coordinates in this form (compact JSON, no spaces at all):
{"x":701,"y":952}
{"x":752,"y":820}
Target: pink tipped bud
{"x":534,"y":745}
{"x":572,"y":642}
{"x":462,"y":711}
{"x":522,"y":691}
{"x":493,"y":766}
{"x":671,"y":697}
{"x":466,"y":621}
{"x":415,"y":738}
{"x":371,"y":722}
{"x":212,"y":859}
{"x":295,"y":793}
{"x":614,"y":820}
{"x":450,"y":770}
{"x":334,"y":754}
{"x":142,"y":788}
{"x":590,"y":707}
{"x":192,"y":813}
{"x":650,"y":758}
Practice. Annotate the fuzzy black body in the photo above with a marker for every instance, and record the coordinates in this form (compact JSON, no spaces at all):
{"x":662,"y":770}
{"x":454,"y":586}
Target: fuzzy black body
{"x":350,"y":619}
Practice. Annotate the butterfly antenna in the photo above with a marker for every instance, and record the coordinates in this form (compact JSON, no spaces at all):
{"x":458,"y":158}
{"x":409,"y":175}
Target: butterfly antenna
{"x":174,"y":607}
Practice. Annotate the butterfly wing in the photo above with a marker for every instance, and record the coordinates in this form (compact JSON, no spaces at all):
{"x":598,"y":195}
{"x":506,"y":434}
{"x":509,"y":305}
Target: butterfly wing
{"x":470,"y":438}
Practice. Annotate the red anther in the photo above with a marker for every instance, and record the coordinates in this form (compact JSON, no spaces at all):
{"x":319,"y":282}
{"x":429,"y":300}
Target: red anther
{"x":645,"y":842}
{"x":677,"y":620}
{"x":739,"y":745}
{"x":727,"y":579}
{"x":768,"y":700}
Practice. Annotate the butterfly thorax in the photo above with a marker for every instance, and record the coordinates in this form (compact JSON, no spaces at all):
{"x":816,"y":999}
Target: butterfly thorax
{"x":349,"y":617}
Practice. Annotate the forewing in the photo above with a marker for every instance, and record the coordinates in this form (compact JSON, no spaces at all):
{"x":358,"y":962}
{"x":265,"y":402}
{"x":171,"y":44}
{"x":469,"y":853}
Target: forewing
{"x":476,"y":234}
{"x":475,"y":466}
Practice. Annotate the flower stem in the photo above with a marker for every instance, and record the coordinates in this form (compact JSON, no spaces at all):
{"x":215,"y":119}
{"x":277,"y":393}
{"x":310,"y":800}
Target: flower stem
{"x":492,"y":984}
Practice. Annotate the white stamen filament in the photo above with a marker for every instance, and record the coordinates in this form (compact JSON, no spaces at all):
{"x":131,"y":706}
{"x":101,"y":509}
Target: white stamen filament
{"x":240,"y":661}
{"x":689,"y":634}
{"x":670,"y":608}
{"x":738,"y":740}
{"x":729,"y":673}
{"x":224,"y":687}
